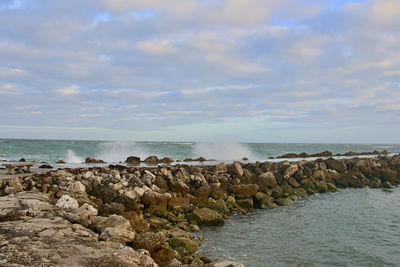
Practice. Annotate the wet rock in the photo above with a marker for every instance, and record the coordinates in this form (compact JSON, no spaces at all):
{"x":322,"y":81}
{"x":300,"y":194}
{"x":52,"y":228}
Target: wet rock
{"x":45,"y":166}
{"x":205,"y":216}
{"x":67,"y":202}
{"x":132,"y":160}
{"x":151,"y":160}
{"x":244,"y":190}
{"x":267,"y":180}
{"x":283,"y":201}
{"x":89,"y":160}
{"x":186,"y":243}
{"x":22,"y":160}
{"x":246,"y":203}
{"x":225,"y":264}
{"x":166,"y":160}
{"x":60,"y":162}
{"x":387,"y":185}
{"x":263,"y":201}
{"x":322,"y":154}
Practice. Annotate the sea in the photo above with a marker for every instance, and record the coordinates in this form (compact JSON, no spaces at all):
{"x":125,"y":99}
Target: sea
{"x":74,"y":152}
{"x":353,"y":227}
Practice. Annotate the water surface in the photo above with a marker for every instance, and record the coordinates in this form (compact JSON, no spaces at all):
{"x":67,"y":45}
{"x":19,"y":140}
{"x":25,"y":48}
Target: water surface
{"x":353,"y":227}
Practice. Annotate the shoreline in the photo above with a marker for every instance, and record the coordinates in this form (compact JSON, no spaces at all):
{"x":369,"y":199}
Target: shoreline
{"x":157,"y":206}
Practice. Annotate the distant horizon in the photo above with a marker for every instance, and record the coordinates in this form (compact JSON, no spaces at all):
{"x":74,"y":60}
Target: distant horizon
{"x":177,"y":141}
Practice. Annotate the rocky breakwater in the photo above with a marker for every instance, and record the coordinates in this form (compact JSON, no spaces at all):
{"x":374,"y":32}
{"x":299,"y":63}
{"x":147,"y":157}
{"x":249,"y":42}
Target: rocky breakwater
{"x":148,"y":213}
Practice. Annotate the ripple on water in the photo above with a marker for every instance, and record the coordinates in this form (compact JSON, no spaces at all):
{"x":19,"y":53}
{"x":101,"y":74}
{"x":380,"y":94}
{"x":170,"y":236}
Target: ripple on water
{"x":354,"y":227}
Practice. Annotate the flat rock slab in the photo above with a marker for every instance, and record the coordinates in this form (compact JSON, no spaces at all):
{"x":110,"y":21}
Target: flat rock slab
{"x":34,"y":233}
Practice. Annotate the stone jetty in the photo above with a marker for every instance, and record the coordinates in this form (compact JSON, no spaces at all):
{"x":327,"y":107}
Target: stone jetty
{"x":146,"y":216}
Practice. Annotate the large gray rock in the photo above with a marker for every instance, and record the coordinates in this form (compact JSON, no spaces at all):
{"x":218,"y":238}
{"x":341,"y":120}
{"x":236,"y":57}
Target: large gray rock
{"x":67,"y":202}
{"x":117,"y":235}
{"x":267,"y":179}
{"x":205,"y":216}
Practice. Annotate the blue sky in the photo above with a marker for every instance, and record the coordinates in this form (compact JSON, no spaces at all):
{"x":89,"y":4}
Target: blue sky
{"x":201,"y":70}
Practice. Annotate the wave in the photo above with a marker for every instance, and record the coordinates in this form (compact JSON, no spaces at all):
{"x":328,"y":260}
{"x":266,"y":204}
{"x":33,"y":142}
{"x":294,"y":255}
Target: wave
{"x":119,"y":151}
{"x":223,"y":151}
{"x":71,"y":157}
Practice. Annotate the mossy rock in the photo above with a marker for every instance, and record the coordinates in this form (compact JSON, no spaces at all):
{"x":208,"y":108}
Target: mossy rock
{"x":205,"y":216}
{"x":246,"y":203}
{"x":190,"y":245}
{"x":283,"y":201}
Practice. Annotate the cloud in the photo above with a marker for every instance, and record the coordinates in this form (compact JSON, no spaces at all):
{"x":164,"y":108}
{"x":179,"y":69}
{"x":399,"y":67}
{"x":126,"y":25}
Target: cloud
{"x":67,"y":91}
{"x":158,"y":66}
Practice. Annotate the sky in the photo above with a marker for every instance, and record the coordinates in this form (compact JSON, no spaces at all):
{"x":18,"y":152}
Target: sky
{"x":201,"y":70}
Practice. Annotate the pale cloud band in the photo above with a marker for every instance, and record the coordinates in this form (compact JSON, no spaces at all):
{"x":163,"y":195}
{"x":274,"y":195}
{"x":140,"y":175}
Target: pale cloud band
{"x":260,"y":70}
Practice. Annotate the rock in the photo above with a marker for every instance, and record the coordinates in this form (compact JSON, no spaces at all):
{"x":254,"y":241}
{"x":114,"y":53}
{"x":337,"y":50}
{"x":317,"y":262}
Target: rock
{"x":263,"y":201}
{"x":92,"y":160}
{"x":114,"y":221}
{"x":205,"y":216}
{"x":13,"y":186}
{"x":151,"y":160}
{"x":225,"y":264}
{"x":246,"y":203}
{"x":150,"y":241}
{"x":67,"y":202}
{"x":322,"y":154}
{"x":387,"y":185}
{"x":132,"y":160}
{"x":277,"y":192}
{"x":288,"y":156}
{"x":117,"y":235}
{"x":186,"y":243}
{"x":22,"y":160}
{"x":221,"y":168}
{"x":179,"y":186}
{"x":156,"y":203}
{"x":237,"y":168}
{"x":87,"y":210}
{"x":267,"y":179}
{"x":60,"y":162}
{"x":179,"y":204}
{"x":77,"y":187}
{"x":166,"y":160}
{"x":244,"y":190}
{"x":45,"y":166}
{"x":283,"y":201}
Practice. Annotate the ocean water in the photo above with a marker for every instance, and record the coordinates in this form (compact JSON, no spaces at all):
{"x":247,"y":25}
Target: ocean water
{"x":353,"y":227}
{"x":75,"y":152}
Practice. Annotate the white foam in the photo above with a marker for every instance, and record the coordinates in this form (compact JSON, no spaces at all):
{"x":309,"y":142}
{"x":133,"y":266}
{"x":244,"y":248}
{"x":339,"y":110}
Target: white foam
{"x":223,"y":151}
{"x":71,"y":157}
{"x":119,"y":151}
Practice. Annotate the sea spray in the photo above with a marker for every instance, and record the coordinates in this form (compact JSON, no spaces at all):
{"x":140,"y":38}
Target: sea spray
{"x":223,"y":151}
{"x":71,"y":157}
{"x":119,"y":151}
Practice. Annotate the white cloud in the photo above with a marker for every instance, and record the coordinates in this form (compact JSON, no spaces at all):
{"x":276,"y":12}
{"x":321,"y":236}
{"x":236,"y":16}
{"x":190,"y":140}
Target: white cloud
{"x":67,"y":91}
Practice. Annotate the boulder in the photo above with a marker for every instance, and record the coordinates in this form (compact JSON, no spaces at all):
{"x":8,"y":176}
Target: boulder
{"x":221,"y":168}
{"x":132,"y":160}
{"x":237,"y":168}
{"x":179,"y":203}
{"x":166,"y":160}
{"x":244,"y":190}
{"x":155,"y":203}
{"x":89,"y":160}
{"x":77,"y":188}
{"x":13,"y":186}
{"x":387,"y":185}
{"x":150,"y":241}
{"x":119,"y":235}
{"x":114,"y":221}
{"x":267,"y":179}
{"x":205,"y":216}
{"x":263,"y":201}
{"x":151,"y":160}
{"x":283,"y":201}
{"x":246,"y":203}
{"x":60,"y":162}
{"x":190,"y":245}
{"x":67,"y":202}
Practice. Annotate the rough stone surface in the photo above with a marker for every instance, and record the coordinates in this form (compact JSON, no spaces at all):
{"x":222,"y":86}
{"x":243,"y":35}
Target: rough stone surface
{"x":205,"y":216}
{"x":67,"y":202}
